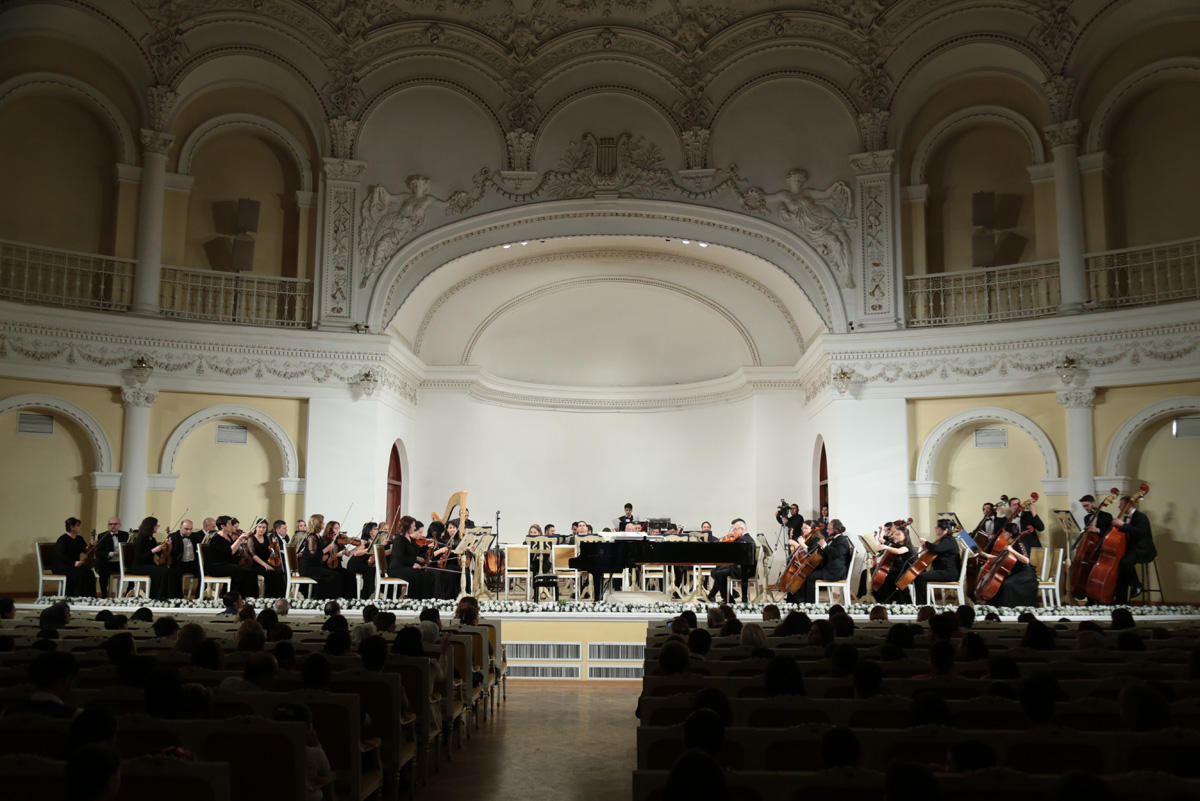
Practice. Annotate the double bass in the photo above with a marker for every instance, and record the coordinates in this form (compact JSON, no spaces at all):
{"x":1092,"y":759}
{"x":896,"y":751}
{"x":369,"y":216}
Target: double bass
{"x":1087,"y":550}
{"x":1102,"y":581}
{"x":993,"y":575}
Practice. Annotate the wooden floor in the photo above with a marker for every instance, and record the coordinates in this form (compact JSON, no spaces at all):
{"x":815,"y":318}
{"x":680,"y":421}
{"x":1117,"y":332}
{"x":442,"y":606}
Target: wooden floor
{"x":552,"y":740}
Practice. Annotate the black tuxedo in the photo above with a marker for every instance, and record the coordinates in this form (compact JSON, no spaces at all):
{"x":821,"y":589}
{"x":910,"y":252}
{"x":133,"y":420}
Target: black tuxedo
{"x":946,"y":565}
{"x":180,"y":568}
{"x":106,"y":563}
{"x":835,"y":564}
{"x":1139,"y":549}
{"x":624,"y":520}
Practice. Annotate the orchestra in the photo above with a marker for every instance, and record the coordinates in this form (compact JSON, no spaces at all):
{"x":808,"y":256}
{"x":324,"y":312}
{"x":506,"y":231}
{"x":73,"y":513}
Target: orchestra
{"x":436,"y":564}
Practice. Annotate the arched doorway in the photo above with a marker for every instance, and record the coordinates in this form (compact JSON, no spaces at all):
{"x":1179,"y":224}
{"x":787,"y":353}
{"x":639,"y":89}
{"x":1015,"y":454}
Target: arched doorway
{"x":394,"y":484}
{"x":822,"y":481}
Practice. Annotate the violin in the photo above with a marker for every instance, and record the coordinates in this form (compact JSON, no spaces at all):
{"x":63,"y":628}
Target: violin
{"x":88,"y":557}
{"x":274,"y":558}
{"x":1087,"y":551}
{"x":1102,"y":581}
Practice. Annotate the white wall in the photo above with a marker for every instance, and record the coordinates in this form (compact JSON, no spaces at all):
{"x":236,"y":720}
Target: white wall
{"x":552,"y":466}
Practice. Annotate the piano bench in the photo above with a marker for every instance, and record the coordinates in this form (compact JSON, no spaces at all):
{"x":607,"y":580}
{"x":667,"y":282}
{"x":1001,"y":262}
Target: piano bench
{"x":545,"y":581}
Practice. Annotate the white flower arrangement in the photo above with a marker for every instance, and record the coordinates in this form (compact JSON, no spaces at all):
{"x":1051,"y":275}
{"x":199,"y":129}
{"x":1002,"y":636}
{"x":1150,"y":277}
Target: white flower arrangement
{"x":653,"y":608}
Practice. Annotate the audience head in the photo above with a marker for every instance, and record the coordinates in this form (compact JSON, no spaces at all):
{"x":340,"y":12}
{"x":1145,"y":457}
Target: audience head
{"x":715,"y":699}
{"x":373,"y":651}
{"x":753,"y":636}
{"x":369,"y":612}
{"x":1038,"y":636}
{"x":332,"y":608}
{"x":941,"y":658}
{"x":190,"y":635}
{"x":727,"y":612}
{"x":285,"y":655}
{"x":55,"y":616}
{"x":336,"y":623}
{"x":834,"y":610}
{"x":316,"y":672}
{"x":770,"y":612}
{"x":385,"y":622}
{"x":93,"y":773}
{"x":924,"y":613}
{"x":53,"y":672}
{"x":165,"y":627}
{"x":992,"y":617}
{"x":695,"y":775}
{"x":408,"y":642}
{"x":673,"y":658}
{"x":232,"y":600}
{"x":973,"y":647}
{"x":966,"y":616}
{"x":208,"y":654}
{"x":142,"y":615}
{"x":795,"y":624}
{"x":840,"y":748}
{"x":821,"y":633}
{"x":337,"y":643}
{"x":267,"y":618}
{"x":704,"y":729}
{"x":281,"y":607}
{"x":783,"y":677}
{"x":429,"y":632}
{"x":103,"y":615}
{"x":943,"y":626}
{"x":714,"y":618}
{"x":843,"y":624}
{"x":431,"y":614}
{"x":900,"y":635}
{"x":688,"y":616}
{"x":699,"y":642}
{"x":878,"y":612}
{"x":1122,"y":618}
{"x":116,"y":623}
{"x":119,"y":647}
{"x":843,"y":658}
{"x":280,"y":632}
{"x":731,"y":627}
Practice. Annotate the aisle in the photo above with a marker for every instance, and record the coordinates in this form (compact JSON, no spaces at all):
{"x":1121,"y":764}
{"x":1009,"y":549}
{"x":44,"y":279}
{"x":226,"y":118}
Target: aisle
{"x":553,"y":740}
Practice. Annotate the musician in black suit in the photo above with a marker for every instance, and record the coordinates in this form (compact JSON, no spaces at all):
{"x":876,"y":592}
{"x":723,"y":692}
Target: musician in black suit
{"x":835,"y":560}
{"x":991,"y":522}
{"x":1095,"y":520}
{"x":1139,"y":549}
{"x":947,"y":560}
{"x":722,"y":574}
{"x":625,"y":519}
{"x":1020,"y":586}
{"x":106,"y":552}
{"x":184,"y":544}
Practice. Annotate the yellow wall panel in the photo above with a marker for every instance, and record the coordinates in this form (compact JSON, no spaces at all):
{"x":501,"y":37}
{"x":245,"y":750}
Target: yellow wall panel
{"x":216,"y":479}
{"x":103,"y":403}
{"x":1115,"y":405}
{"x":925,"y":413}
{"x":58,"y":161}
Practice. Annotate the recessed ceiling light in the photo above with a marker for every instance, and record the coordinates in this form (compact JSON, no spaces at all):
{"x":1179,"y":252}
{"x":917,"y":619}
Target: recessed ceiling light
{"x":703,"y":244}
{"x":686,"y":241}
{"x":509,"y":245}
{"x":526,"y":242}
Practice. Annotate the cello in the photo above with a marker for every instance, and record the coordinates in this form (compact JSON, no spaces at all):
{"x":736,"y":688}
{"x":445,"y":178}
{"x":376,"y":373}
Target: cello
{"x":1102,"y":581}
{"x":1087,"y":550}
{"x":884,"y":561}
{"x":919,"y":565}
{"x":804,"y":561}
{"x":993,"y":575}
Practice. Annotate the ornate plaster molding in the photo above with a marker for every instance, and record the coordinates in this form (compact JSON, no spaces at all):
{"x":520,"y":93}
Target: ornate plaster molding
{"x":101,"y":448}
{"x":969,"y":118}
{"x":1077,"y":398}
{"x":138,"y":397}
{"x":630,"y":256}
{"x":156,"y":142}
{"x":228,"y":123}
{"x":1116,"y":462}
{"x":232,"y":411}
{"x":1063,"y":134}
{"x":935,"y":442}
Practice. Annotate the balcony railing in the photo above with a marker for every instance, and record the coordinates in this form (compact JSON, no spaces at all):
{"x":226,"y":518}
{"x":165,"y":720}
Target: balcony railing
{"x":982,"y":295}
{"x":1145,"y":276}
{"x":235,"y":297}
{"x":54,"y":277}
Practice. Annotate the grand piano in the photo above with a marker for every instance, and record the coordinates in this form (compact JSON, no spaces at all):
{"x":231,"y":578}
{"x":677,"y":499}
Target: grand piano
{"x":600,"y":558}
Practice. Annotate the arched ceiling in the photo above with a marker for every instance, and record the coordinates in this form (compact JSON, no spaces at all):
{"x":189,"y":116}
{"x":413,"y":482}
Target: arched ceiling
{"x":608,"y":311}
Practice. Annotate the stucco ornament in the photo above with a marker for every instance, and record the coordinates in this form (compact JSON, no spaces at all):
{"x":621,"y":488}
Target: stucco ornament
{"x":824,"y":218}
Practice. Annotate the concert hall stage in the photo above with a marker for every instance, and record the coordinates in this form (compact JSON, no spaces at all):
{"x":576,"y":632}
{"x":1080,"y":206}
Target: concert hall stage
{"x":599,"y":642}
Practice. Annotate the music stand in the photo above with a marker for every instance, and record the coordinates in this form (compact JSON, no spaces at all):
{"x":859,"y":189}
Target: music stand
{"x":1068,"y":523}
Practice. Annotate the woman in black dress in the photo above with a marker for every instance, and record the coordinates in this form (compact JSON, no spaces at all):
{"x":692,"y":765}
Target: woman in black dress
{"x":361,"y":559}
{"x":260,"y":542}
{"x":1020,"y":587}
{"x":407,"y":562}
{"x":145,"y":548}
{"x":313,"y":552}
{"x":897,"y":544}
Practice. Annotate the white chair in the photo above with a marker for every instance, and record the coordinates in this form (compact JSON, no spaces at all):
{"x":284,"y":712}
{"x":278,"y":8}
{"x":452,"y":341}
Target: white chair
{"x":206,"y":581}
{"x":44,"y":551}
{"x":516,"y":567}
{"x":843,"y":585}
{"x":294,"y":580}
{"x":387,"y":586}
{"x":959,"y":588}
{"x":129,"y":582}
{"x":1049,"y":584}
{"x":563,"y":570}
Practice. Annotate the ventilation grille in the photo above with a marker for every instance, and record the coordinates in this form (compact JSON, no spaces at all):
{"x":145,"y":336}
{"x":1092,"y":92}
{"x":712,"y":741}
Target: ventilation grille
{"x":616,"y":651}
{"x":543,"y":651}
{"x":991,"y":438}
{"x":34,"y":423}
{"x":614,"y":672}
{"x":1186,"y":427}
{"x":232,"y":434}
{"x":543,"y":671}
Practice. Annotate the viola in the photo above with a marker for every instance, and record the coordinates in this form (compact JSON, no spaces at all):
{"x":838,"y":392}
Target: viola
{"x":1087,"y":550}
{"x":274,"y":558}
{"x":165,"y":557}
{"x":1102,"y":581}
{"x":88,"y":557}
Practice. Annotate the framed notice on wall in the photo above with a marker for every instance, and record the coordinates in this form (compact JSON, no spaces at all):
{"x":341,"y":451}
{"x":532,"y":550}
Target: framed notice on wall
{"x":991,"y":438}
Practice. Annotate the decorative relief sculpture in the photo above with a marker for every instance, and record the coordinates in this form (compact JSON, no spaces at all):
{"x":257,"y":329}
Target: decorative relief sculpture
{"x":824,"y":218}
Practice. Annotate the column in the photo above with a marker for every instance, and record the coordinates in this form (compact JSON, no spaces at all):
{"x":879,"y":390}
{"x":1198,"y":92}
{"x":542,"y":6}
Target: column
{"x":1081,"y":449}
{"x":877,"y":278}
{"x":1068,"y":202}
{"x":147,"y":277}
{"x":135,"y":446}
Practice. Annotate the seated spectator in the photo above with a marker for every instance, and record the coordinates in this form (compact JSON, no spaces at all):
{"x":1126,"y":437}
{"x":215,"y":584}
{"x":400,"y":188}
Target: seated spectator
{"x":783,"y":677}
{"x":116,"y":623}
{"x":316,"y":672}
{"x":680,"y":627}
{"x":249,"y":637}
{"x":104,"y":615}
{"x":821,"y":633}
{"x":688,"y":616}
{"x":716,"y":700}
{"x":92,"y":773}
{"x":900,"y":635}
{"x":373,"y":651}
{"x":317,"y":772}
{"x":281,"y":607}
{"x":285,"y":654}
{"x":731,"y":627}
{"x":166,"y":629}
{"x":673,"y":658}
{"x":1038,"y":695}
{"x":868,"y":679}
{"x":208,"y":654}
{"x":752,"y":636}
{"x":233,"y":603}
{"x":337,"y":643}
{"x":409,"y":642}
{"x":973,"y":647}
{"x":385,"y":622}
{"x":843,"y":659}
{"x":1143,"y":708}
{"x":1038,"y":636}
{"x":943,"y":626}
{"x":119,"y":647}
{"x":280,"y":632}
{"x":695,"y":775}
{"x":142,"y":615}
{"x":840,"y":748}
{"x":727,"y":612}
{"x":704,"y":729}
{"x":246,"y":613}
{"x":795,"y":624}
{"x":941,"y":660}
{"x":336,"y":623}
{"x":51,"y":675}
{"x":928,"y":708}
{"x":191,"y":635}
{"x":834,"y":610}
{"x":92,"y":726}
{"x":843,"y":625}
{"x":431,"y":614}
{"x":47,"y":634}
{"x":878,"y":613}
{"x":924,"y":613}
{"x":369,"y":612}
{"x":332,"y":609}
{"x":362,"y":632}
{"x":992,"y":617}
{"x":267,"y":618}
{"x":55,"y":616}
{"x":966,"y":616}
{"x":699,"y":643}
{"x":1122,"y":618}
{"x":8,"y":609}
{"x":770,"y":613}
{"x":714,"y":618}
{"x":968,"y":756}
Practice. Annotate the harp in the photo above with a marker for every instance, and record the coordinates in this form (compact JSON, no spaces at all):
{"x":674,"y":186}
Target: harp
{"x":457,"y":501}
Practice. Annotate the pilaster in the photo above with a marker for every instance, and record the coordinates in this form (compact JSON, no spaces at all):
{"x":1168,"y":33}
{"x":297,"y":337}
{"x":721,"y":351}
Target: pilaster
{"x":147,"y":277}
{"x":336,"y":283}
{"x":878,"y":271}
{"x":135,"y":446}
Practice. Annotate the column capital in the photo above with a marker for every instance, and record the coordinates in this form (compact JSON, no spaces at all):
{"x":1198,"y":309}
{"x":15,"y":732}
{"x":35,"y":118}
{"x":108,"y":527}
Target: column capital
{"x":343,"y":132}
{"x":872,"y":161}
{"x":1077,"y":398}
{"x":138,"y":397}
{"x":158,"y":142}
{"x":872,"y":127}
{"x":160,"y":102}
{"x":1063,"y":133}
{"x":344,"y":169}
